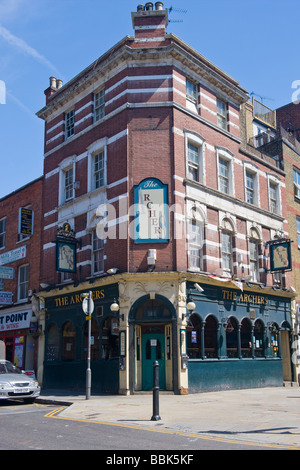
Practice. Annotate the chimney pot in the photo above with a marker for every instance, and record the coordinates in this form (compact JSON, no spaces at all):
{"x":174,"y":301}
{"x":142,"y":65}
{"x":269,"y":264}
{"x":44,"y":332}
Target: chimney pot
{"x":159,"y":5}
{"x":58,"y":83}
{"x":52,"y":82}
{"x":149,"y":6}
{"x":140,"y":7}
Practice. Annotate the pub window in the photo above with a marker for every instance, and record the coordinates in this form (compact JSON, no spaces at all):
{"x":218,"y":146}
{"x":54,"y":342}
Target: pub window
{"x":99,"y":105}
{"x":246,"y":340}
{"x":52,"y":343}
{"x":94,"y":340}
{"x":232,"y":337}
{"x":210,"y":337}
{"x":110,"y":338}
{"x":98,"y":253}
{"x":258,"y":338}
{"x":68,"y":342}
{"x":69,"y":124}
{"x":194,"y":337}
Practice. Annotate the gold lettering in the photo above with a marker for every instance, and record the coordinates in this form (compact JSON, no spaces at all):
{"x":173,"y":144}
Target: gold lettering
{"x":57,"y":302}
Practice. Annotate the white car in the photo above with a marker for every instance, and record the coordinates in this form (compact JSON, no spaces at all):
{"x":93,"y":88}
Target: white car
{"x":14,"y":383}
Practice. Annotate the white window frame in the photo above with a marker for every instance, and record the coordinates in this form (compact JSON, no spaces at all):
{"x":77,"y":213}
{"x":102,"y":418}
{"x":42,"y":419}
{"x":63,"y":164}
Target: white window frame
{"x":254,"y":260}
{"x":95,"y":149}
{"x":275,"y":182}
{"x":296,"y":178}
{"x":226,"y":156}
{"x":253,"y":171}
{"x":191,"y":98}
{"x":97,"y":252}
{"x":228,"y":253}
{"x":23,"y":284}
{"x":69,"y":123}
{"x":197,"y":142}
{"x":66,"y":165}
{"x":2,"y":232}
{"x":222,"y":117}
{"x":195,"y":245}
{"x":99,"y":104}
{"x":298,"y":230}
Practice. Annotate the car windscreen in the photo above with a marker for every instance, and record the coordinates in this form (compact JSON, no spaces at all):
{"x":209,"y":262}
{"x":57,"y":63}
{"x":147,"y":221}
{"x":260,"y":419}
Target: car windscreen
{"x":11,"y":369}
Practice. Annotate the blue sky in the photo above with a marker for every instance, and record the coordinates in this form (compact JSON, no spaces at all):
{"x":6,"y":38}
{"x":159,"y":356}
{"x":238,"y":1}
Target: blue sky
{"x":254,"y":41}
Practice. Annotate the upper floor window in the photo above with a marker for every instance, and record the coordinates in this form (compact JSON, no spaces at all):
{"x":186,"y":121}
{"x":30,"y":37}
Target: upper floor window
{"x":195,"y":157}
{"x":298,"y":230}
{"x":99,"y":170}
{"x":23,"y":282}
{"x":254,"y":267}
{"x":193,"y":154}
{"x":98,"y":253}
{"x":221,"y":114}
{"x":296,"y":174}
{"x":274,"y":197}
{"x":99,"y":104}
{"x":224,"y":176}
{"x":191,"y":95}
{"x":2,"y":232}
{"x":225,"y":171}
{"x":191,"y":90}
{"x":226,"y":252}
{"x":195,"y":244}
{"x":70,"y":123}
{"x":69,"y":184}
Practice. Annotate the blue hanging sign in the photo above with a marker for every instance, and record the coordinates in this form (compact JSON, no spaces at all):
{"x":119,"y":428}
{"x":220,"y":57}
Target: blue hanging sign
{"x":151,"y":212}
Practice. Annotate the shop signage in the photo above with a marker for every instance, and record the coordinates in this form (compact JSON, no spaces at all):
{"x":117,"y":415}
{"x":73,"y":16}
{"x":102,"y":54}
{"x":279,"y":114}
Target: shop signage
{"x":244,"y":298}
{"x":73,"y":299}
{"x":151,"y":212}
{"x":280,"y":255}
{"x":15,"y":320}
{"x":26,"y":221}
{"x":13,"y":255}
{"x":6,"y":298}
{"x":6,"y":273}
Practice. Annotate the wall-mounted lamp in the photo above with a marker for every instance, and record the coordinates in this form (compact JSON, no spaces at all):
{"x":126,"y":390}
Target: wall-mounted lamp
{"x":114,"y":306}
{"x":112,"y":271}
{"x":190,"y":306}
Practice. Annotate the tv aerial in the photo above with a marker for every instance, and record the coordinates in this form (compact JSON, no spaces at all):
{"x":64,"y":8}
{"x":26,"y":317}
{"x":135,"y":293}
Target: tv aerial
{"x":176,"y":10}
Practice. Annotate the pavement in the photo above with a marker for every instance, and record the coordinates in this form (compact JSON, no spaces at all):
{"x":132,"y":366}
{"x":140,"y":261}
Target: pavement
{"x":259,"y":416}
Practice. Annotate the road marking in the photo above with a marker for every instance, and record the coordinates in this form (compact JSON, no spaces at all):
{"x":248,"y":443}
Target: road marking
{"x":54,"y":413}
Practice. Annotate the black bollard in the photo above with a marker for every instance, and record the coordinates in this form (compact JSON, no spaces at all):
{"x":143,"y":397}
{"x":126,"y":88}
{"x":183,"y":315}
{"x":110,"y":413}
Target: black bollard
{"x":155,"y":416}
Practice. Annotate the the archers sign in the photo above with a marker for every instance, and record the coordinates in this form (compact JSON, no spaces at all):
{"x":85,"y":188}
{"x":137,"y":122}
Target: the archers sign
{"x":244,"y":298}
{"x":73,"y":299}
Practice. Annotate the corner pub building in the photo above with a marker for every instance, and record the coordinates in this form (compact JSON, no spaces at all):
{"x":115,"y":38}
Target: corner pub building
{"x":147,"y":205}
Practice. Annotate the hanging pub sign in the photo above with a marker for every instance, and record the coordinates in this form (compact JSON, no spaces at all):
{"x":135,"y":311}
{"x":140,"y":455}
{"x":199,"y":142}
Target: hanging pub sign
{"x":151,"y":212}
{"x":280,"y":255}
{"x":66,"y":245}
{"x":26,"y":217}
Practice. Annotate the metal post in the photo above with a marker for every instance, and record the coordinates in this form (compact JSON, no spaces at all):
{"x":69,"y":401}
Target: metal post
{"x":155,"y":416}
{"x":88,"y":370}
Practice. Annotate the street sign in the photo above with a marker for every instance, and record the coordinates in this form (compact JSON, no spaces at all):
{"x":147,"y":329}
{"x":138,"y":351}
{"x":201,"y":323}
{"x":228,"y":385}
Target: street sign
{"x":85,"y":306}
{"x":6,"y":273}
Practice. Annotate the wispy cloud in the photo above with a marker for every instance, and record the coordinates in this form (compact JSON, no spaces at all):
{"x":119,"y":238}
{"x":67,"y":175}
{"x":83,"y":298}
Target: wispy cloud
{"x":23,"y":47}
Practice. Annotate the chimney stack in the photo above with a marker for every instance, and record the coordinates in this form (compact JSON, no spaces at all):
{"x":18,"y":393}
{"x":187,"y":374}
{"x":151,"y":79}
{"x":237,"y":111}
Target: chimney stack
{"x":150,"y":24}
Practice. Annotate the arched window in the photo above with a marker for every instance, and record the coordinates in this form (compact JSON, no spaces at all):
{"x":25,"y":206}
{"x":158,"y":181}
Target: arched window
{"x":152,"y":310}
{"x":194,"y":337}
{"x":110,"y":338}
{"x":274,"y":340}
{"x":68,"y":342}
{"x":210,"y":337}
{"x":232,"y":337}
{"x":258,"y":339}
{"x":94,"y":340}
{"x":52,"y":343}
{"x":246,"y":340}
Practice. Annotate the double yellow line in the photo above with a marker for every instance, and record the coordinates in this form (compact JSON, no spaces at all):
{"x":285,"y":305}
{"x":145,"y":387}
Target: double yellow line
{"x":54,"y":413}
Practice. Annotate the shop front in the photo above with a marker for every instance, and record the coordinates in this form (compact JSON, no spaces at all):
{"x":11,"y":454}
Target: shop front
{"x":16,"y":334}
{"x":66,"y":340}
{"x":238,"y":338}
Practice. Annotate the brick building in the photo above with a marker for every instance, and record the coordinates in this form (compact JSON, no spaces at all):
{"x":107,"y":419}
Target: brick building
{"x":20,"y":250}
{"x":150,"y":184}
